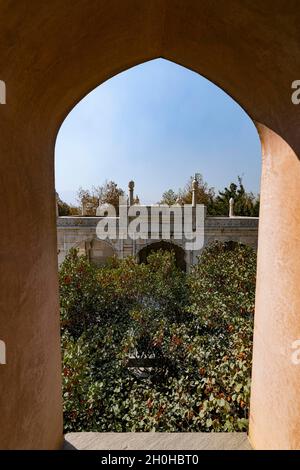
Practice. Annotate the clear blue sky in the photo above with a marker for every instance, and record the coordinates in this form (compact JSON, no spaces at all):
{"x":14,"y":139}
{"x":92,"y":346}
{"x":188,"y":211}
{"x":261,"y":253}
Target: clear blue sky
{"x":158,"y":124}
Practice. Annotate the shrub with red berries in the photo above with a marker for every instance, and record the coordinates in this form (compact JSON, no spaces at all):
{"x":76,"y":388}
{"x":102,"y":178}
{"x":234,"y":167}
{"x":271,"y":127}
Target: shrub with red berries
{"x":195,"y":328}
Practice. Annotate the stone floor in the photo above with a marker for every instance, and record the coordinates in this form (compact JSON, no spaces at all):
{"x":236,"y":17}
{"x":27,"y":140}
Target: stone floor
{"x":156,"y":441}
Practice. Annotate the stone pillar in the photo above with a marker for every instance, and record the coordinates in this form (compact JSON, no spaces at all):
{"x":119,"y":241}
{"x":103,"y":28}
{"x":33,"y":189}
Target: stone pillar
{"x":231,"y":207}
{"x":30,"y":381}
{"x":275,"y":392}
{"x":131,"y":192}
{"x":194,"y":195}
{"x":56,"y":204}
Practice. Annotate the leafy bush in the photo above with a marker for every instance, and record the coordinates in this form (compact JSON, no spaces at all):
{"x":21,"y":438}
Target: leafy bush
{"x":196,"y":329}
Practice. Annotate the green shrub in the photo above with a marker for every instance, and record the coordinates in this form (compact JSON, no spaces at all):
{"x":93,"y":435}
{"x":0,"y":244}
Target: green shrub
{"x":197,"y":327}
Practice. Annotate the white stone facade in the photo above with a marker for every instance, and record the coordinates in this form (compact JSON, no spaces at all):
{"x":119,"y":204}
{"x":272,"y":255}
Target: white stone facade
{"x":80,"y":232}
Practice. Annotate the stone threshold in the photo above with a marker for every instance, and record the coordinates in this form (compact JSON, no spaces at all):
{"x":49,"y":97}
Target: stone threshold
{"x":156,"y":441}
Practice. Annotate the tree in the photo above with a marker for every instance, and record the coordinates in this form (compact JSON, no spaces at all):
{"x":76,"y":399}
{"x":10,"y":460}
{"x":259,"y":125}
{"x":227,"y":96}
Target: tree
{"x":169,"y":197}
{"x":204,"y":194}
{"x":108,"y":193}
{"x":222,"y":297}
{"x":88,"y":201}
{"x":245,"y":203}
{"x":74,"y":210}
{"x":66,"y":209}
{"x":195,"y":328}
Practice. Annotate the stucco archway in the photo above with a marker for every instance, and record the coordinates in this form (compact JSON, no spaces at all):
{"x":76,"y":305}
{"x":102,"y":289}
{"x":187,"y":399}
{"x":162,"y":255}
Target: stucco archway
{"x":179,"y":253}
{"x":54,"y":54}
{"x":100,"y":251}
{"x":97,"y":251}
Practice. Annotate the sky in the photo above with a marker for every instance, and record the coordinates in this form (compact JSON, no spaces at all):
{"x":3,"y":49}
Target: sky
{"x":157,"y":123}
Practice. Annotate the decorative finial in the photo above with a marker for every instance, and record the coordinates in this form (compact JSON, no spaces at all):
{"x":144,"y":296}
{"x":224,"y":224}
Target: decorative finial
{"x":231,"y":206}
{"x":131,"y":189}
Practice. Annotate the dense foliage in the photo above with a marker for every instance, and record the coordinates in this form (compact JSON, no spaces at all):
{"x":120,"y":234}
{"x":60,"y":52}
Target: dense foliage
{"x":64,"y":208}
{"x":245,"y":203}
{"x":196,"y":329}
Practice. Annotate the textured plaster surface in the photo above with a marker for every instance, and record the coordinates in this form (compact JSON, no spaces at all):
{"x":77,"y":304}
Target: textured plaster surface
{"x":156,"y":441}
